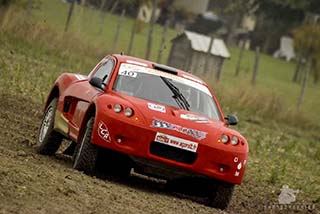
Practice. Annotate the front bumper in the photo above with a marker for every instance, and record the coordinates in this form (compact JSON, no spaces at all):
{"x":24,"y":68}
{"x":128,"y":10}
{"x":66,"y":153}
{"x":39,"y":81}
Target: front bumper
{"x":134,"y":138}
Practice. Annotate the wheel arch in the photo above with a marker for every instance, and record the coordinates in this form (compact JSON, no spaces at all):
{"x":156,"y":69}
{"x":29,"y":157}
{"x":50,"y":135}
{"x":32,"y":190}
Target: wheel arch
{"x":91,"y":112}
{"x":55,"y":93}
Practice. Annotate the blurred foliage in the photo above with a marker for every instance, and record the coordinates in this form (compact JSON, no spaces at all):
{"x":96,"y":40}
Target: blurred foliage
{"x":306,"y":5}
{"x":6,"y":2}
{"x":307,"y":44}
{"x":20,"y":3}
{"x":306,"y":38}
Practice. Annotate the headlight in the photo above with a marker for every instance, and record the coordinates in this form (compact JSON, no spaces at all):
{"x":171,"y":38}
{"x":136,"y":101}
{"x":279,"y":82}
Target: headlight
{"x":224,"y":138}
{"x":234,"y":140}
{"x":128,"y":112}
{"x":117,"y":108}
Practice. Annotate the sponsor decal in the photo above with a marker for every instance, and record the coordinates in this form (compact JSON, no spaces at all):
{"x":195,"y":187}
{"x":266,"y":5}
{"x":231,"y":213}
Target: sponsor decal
{"x":156,"y":107}
{"x":199,"y":135}
{"x":104,"y":132}
{"x":176,"y":142}
{"x":128,"y":73}
{"x":194,"y":118}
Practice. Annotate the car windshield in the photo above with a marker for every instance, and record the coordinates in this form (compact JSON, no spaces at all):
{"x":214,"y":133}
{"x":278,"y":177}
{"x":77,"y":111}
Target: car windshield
{"x":166,"y":89}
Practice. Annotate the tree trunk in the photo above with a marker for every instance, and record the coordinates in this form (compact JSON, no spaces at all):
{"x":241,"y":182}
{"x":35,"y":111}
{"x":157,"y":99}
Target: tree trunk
{"x":69,"y":15}
{"x":151,"y":26}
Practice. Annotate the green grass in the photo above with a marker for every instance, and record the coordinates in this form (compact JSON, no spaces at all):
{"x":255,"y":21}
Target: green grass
{"x":274,"y":77}
{"x":34,"y":51}
{"x":89,"y":39}
{"x":89,"y":24}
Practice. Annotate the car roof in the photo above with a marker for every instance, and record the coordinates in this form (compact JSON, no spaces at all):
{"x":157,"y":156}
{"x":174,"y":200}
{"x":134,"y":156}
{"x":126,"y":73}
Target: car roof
{"x":129,"y":59}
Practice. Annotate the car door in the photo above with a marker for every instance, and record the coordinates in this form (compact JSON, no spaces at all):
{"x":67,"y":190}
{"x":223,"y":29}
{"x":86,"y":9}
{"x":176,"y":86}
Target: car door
{"x":82,"y":93}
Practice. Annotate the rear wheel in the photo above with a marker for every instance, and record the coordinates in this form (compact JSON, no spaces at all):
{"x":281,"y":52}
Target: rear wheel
{"x":85,"y":155}
{"x":48,"y":140}
{"x":221,"y":196}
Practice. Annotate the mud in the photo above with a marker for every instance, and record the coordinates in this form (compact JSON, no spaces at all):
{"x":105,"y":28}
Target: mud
{"x":31,"y":183}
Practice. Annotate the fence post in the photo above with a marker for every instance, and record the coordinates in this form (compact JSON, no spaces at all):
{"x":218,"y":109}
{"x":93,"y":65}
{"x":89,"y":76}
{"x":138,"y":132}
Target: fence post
{"x":116,"y":36}
{"x":238,"y":66}
{"x":102,"y":4}
{"x":206,"y":64}
{"x":256,"y":66}
{"x":151,"y":26}
{"x":307,"y":69}
{"x":297,"y":72}
{"x":133,"y":33}
{"x":163,"y":40}
{"x":29,"y":8}
{"x":219,"y":69}
{"x":69,"y":15}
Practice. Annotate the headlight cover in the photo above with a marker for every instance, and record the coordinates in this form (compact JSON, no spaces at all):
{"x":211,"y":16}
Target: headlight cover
{"x":224,"y":138}
{"x":234,"y":140}
{"x":117,"y":108}
{"x":128,"y":112}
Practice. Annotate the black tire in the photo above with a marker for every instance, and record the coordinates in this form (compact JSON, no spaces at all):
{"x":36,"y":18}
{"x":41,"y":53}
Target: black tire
{"x":193,"y":186}
{"x":111,"y":163}
{"x":221,"y":196}
{"x":48,"y":140}
{"x":85,"y":156}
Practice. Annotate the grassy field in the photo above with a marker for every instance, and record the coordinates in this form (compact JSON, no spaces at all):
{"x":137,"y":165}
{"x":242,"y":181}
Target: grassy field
{"x":98,"y":29}
{"x":89,"y":39}
{"x":273,"y":81}
{"x":34,"y":51}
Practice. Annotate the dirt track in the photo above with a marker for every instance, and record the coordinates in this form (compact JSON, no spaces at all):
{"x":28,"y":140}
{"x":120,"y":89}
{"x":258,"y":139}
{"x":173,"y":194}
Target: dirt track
{"x":31,"y":183}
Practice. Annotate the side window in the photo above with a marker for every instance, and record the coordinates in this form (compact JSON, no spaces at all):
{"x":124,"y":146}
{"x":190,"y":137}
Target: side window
{"x":104,"y":71}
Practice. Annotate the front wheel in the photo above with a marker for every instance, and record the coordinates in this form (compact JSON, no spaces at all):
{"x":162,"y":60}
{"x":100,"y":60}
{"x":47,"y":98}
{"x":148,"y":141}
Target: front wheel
{"x":85,"y":156}
{"x":48,"y":140}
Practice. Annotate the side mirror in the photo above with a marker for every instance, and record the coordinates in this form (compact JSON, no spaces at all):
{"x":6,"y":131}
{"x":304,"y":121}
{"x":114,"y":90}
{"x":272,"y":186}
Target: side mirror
{"x":96,"y":82}
{"x":231,"y":120}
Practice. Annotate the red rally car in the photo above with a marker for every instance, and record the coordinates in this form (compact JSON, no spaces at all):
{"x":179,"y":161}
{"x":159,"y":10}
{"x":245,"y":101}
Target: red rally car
{"x":130,"y":113}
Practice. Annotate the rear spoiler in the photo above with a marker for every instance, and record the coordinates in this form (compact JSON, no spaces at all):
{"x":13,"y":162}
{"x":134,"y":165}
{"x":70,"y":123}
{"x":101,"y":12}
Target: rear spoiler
{"x":165,"y":68}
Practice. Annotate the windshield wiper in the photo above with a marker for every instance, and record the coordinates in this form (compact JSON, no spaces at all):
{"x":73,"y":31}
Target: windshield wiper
{"x":177,"y":95}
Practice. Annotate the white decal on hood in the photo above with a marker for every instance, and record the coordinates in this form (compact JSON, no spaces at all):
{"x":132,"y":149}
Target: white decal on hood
{"x":199,"y":135}
{"x":157,"y":107}
{"x":194,"y":118}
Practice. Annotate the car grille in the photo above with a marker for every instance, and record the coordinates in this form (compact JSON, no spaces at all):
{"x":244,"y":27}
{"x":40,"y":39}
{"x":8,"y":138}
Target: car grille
{"x":172,"y":153}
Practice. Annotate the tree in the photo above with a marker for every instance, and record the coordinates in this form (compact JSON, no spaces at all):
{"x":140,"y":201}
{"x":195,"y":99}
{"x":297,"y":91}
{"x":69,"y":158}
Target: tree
{"x":307,"y":43}
{"x":233,"y":12}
